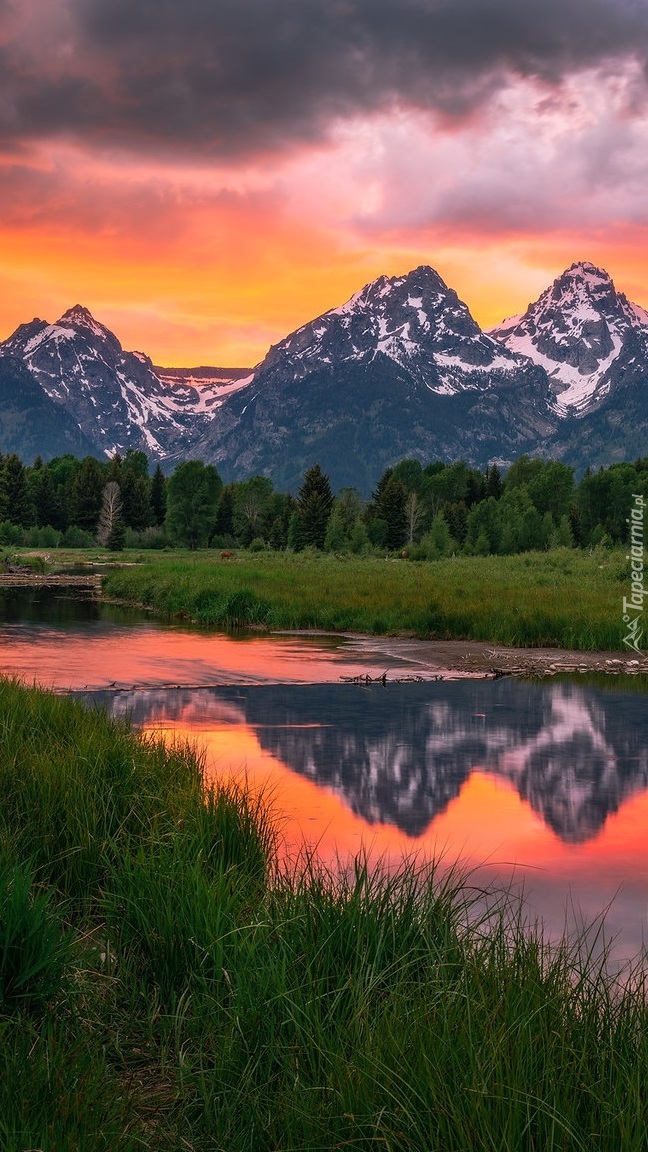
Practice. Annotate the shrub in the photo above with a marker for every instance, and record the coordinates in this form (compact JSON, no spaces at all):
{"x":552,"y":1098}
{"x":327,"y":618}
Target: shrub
{"x":75,"y":537}
{"x":10,"y":533}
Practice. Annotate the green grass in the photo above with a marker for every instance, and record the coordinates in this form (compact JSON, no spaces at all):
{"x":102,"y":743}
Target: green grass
{"x":163,"y":986}
{"x":566,"y":598}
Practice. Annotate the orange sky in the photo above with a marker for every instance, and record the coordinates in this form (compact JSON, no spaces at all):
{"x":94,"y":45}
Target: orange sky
{"x":207,"y":180}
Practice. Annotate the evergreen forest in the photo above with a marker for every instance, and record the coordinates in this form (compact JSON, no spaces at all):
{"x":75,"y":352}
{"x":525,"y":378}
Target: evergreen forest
{"x":425,"y":511}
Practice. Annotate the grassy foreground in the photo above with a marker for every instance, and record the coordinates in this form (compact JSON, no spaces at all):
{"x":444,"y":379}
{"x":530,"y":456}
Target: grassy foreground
{"x":566,"y":598}
{"x":162,"y":987}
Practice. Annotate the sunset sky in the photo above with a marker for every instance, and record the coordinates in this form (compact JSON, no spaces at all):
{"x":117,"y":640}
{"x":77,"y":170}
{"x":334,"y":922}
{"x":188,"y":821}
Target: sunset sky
{"x":206,"y":175}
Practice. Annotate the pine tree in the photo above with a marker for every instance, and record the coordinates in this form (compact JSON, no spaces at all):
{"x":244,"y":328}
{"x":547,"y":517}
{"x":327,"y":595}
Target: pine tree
{"x":3,"y":490}
{"x":63,"y":470}
{"x":135,"y":488}
{"x":115,"y":468}
{"x":493,"y":482}
{"x":285,"y":508}
{"x":456,"y":517}
{"x":16,"y":498}
{"x":393,"y":499}
{"x":44,"y":497}
{"x":314,"y":502}
{"x":224,"y":526}
{"x":295,"y":538}
{"x":158,"y":496}
{"x":86,"y":495}
{"x":374,"y":508}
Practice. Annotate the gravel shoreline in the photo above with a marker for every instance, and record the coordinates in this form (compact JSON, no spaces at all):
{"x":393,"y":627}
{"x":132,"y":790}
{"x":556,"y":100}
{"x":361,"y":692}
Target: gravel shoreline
{"x":469,"y":658}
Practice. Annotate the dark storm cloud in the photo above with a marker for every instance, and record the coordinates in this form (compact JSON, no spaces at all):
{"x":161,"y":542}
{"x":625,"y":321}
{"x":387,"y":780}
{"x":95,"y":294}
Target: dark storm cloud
{"x":226,"y":76}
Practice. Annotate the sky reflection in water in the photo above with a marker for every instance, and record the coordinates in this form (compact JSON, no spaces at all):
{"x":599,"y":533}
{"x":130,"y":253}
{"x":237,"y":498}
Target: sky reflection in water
{"x":548,"y":782}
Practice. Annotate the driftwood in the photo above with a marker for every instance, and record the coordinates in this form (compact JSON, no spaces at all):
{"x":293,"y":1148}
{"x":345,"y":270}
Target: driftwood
{"x":383,"y":679}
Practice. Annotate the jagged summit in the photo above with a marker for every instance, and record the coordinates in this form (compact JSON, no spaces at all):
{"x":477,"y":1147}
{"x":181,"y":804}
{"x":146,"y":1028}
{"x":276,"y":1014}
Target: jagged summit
{"x":42,"y":340}
{"x":583,"y":288}
{"x":414,"y":320}
{"x":423,"y":279}
{"x":585,"y":269}
{"x":78,"y":312}
{"x":576,"y":330}
{"x":81,"y":317}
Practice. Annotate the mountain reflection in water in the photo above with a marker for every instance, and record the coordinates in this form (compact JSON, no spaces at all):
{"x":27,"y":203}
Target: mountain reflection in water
{"x":399,"y":754}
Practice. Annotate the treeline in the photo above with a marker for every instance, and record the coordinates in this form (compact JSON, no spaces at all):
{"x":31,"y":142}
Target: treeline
{"x":429,"y":511}
{"x":65,"y":501}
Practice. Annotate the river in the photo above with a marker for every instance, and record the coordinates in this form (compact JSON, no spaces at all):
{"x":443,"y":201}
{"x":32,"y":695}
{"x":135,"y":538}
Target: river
{"x":538,"y":785}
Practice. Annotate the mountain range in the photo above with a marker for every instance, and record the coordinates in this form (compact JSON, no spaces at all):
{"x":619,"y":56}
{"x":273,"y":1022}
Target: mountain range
{"x":401,"y":369}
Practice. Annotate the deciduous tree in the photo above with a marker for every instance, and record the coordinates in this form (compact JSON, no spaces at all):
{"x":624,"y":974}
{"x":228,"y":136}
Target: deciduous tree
{"x":111,"y":529}
{"x":193,"y":494}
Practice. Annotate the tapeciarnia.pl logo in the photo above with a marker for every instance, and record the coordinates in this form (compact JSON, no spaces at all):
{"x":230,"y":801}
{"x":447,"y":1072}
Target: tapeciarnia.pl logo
{"x":633,"y":605}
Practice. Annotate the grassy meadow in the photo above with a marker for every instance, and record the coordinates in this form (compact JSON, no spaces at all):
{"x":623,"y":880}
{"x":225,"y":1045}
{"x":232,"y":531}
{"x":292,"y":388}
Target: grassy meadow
{"x":565,"y":598}
{"x":164,"y":987}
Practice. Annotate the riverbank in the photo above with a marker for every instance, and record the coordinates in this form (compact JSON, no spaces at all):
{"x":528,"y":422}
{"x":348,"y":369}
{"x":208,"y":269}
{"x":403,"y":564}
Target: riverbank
{"x":563,"y":599}
{"x":483,"y":610}
{"x":449,"y":659}
{"x":163,"y":986}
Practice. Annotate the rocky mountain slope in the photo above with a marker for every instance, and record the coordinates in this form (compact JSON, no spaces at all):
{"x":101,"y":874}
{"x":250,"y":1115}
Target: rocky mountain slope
{"x":30,"y":423}
{"x":118,"y":399}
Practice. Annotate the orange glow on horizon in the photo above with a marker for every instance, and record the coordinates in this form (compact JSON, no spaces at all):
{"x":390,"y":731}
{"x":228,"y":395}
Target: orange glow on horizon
{"x":228,"y":283}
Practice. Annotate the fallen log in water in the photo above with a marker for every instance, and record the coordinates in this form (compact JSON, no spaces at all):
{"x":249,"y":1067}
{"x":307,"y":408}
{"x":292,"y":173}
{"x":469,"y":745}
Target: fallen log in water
{"x":382,"y":679}
{"x":44,"y":580}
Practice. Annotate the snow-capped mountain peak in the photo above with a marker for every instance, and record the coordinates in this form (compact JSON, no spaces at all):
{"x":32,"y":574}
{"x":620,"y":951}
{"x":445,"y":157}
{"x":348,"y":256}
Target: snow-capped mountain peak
{"x":401,"y":368}
{"x":414,"y":320}
{"x":41,"y":341}
{"x":117,"y":397}
{"x":576,"y":331}
{"x":80,"y":320}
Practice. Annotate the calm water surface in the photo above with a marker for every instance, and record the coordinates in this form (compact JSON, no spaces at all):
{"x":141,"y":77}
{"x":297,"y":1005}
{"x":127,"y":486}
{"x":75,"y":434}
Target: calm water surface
{"x":542,"y":784}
